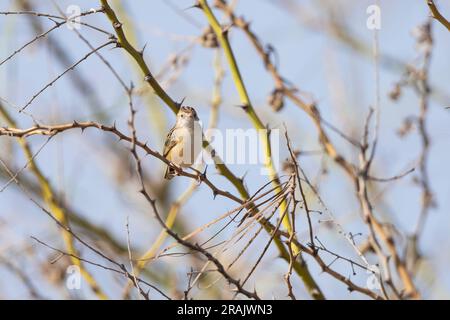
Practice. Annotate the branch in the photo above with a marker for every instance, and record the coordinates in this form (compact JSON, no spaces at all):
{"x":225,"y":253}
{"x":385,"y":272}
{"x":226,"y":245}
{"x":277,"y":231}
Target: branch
{"x":123,"y":42}
{"x":176,"y":206}
{"x":325,"y":267}
{"x":220,"y":166}
{"x":72,"y":67}
{"x":222,"y":36}
{"x":49,"y":130}
{"x":289,"y":92}
{"x":437,"y":15}
{"x":57,"y":212}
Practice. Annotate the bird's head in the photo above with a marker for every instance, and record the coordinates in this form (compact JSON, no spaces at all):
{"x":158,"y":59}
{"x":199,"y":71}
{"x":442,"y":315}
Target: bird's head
{"x":186,"y":116}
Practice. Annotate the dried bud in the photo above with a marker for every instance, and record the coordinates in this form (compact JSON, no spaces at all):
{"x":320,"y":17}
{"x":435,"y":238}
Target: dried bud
{"x":208,"y":39}
{"x":396,"y":92}
{"x":406,"y":127}
{"x":424,"y":40}
{"x":428,"y":200}
{"x":288,"y":167}
{"x":276,"y":99}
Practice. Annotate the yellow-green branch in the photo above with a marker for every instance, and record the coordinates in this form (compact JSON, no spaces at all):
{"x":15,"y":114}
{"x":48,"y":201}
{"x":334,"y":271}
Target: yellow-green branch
{"x":300,"y":267}
{"x":123,"y":42}
{"x":222,"y":36}
{"x":245,"y":100}
{"x":48,"y":195}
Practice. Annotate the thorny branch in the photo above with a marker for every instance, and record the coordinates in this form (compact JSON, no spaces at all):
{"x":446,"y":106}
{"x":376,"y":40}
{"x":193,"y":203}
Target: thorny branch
{"x":360,"y":176}
{"x":238,"y":183}
{"x":289,"y":197}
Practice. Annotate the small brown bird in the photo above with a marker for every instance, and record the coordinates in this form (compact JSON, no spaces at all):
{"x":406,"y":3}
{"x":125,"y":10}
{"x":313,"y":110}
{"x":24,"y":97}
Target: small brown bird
{"x":184,"y":141}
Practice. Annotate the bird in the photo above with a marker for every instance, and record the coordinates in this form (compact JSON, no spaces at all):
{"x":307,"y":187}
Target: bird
{"x":184,"y":141}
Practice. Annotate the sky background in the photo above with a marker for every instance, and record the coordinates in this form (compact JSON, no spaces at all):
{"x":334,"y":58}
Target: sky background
{"x":340,"y":80}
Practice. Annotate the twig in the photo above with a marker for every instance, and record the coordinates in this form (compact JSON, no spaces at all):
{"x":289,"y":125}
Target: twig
{"x":46,"y":33}
{"x":73,"y":66}
{"x":222,"y":36}
{"x":49,"y":196}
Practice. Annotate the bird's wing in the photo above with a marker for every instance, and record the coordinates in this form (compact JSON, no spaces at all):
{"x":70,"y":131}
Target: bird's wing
{"x":170,"y":142}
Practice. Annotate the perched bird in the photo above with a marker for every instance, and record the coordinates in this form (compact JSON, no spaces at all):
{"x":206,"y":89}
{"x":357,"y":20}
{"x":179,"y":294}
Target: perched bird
{"x":184,"y":141}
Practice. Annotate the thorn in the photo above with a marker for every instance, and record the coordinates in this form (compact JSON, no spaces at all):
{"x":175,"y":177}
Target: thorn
{"x":244,"y":107}
{"x":180,"y":104}
{"x":143,"y":49}
{"x":226,"y":29}
{"x":243,"y":177}
{"x":195,"y":5}
{"x":215,"y":194}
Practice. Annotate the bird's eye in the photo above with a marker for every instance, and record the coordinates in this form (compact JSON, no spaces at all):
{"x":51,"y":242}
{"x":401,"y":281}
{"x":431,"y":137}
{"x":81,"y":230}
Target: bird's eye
{"x":182,"y":115}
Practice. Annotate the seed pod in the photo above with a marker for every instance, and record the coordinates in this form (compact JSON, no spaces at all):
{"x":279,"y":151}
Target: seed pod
{"x":276,"y":99}
{"x":208,"y":39}
{"x":396,"y":92}
{"x":288,"y":167}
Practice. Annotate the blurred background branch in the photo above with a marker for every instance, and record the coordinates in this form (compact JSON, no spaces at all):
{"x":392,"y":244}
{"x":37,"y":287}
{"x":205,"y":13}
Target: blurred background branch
{"x":353,"y":203}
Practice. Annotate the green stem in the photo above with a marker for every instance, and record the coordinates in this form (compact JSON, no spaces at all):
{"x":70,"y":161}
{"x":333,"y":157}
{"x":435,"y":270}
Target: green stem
{"x":222,"y":36}
{"x":123,"y":42}
{"x":300,"y":267}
